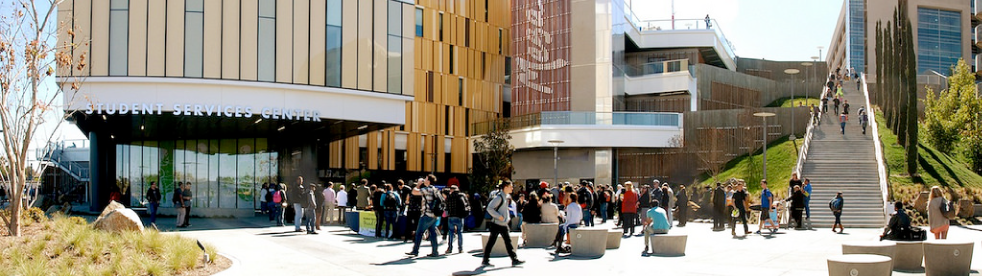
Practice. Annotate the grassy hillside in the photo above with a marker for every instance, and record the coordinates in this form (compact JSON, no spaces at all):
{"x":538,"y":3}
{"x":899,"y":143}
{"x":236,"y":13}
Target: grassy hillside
{"x":786,"y":102}
{"x":781,"y":158}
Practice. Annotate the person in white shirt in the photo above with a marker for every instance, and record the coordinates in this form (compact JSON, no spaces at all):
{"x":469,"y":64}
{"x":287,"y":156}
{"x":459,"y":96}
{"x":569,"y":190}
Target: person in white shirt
{"x":342,"y":200}
{"x":574,"y":214}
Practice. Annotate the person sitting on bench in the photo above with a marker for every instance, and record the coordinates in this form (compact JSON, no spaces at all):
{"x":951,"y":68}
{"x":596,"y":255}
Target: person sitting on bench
{"x":899,"y":226}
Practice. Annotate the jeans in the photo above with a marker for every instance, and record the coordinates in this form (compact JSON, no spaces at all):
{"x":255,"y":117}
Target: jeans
{"x":587,"y":218}
{"x":742,"y":217}
{"x":808,"y":210}
{"x":411,"y":223}
{"x":263,"y":207}
{"x":311,"y":222}
{"x":842,"y":127}
{"x":297,"y":215}
{"x":603,"y":212}
{"x":563,"y":229}
{"x":426,"y":223}
{"x":271,"y":206}
{"x":278,"y":213}
{"x":390,"y":223}
{"x":456,"y":226}
{"x":152,"y":209}
{"x":497,"y":230}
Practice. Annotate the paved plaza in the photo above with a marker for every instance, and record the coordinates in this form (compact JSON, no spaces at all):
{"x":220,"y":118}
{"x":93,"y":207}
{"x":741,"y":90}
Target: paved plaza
{"x":260,"y":249}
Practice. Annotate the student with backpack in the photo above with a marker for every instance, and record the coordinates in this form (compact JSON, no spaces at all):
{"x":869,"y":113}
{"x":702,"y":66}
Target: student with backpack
{"x":458,"y":208}
{"x":433,"y":208}
{"x":279,"y":203}
{"x":836,"y":205}
{"x":938,"y":212}
{"x":499,"y":226}
{"x":391,"y":203}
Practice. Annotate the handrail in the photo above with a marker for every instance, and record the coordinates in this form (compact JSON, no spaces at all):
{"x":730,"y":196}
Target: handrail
{"x":880,"y":165}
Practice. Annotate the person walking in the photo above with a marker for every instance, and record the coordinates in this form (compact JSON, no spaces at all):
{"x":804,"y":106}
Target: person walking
{"x":498,"y":209}
{"x":629,"y":207}
{"x":741,"y":204}
{"x":845,"y":108}
{"x":432,"y":208}
{"x":825,"y":103}
{"x":390,"y":204}
{"x":297,"y":199}
{"x":797,"y":200}
{"x":414,"y":210}
{"x":835,"y":104}
{"x":153,"y":202}
{"x":863,"y":119}
{"x":836,"y":206}
{"x":843,"y":118}
{"x":766,"y":198}
{"x":186,"y":196}
{"x":682,"y":205}
{"x":330,"y":200}
{"x":458,"y":209}
{"x":935,"y":216}
{"x":719,"y":207}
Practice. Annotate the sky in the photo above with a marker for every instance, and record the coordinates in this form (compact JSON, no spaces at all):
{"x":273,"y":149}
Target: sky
{"x":767,"y":29}
{"x":770,"y":29}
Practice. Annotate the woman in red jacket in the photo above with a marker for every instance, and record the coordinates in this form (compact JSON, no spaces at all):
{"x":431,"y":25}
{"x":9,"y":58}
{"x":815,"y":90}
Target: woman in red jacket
{"x":629,"y":207}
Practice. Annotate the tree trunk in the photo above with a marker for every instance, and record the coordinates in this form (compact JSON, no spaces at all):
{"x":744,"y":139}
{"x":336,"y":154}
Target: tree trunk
{"x":16,"y":203}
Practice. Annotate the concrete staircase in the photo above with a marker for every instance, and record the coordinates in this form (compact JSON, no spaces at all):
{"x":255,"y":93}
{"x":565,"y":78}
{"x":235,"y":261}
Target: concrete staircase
{"x":845,"y":163}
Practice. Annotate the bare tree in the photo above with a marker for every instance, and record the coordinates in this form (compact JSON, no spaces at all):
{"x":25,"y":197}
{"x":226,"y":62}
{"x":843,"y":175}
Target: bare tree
{"x":710,"y":150}
{"x":29,"y":55}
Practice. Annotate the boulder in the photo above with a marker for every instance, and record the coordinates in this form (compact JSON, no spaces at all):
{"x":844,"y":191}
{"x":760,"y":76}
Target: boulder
{"x":965,"y":208}
{"x":920,"y":204}
{"x":113,"y":205}
{"x":120,"y":220}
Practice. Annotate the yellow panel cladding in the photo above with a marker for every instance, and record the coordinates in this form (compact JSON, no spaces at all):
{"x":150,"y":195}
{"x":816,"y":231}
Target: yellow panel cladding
{"x":284,"y":41}
{"x":213,"y":40}
{"x":317,"y":41}
{"x":100,"y":39}
{"x":175,"y":38}
{"x":365,"y":46}
{"x":249,"y":40}
{"x":380,"y":47}
{"x":156,"y":38}
{"x":301,"y":41}
{"x":65,"y":18}
{"x":349,"y":50}
{"x":230,"y":39}
{"x":137,"y":54}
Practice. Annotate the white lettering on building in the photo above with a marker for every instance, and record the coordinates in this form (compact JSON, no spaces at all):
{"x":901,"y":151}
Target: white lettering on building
{"x":539,"y":39}
{"x":202,"y":110}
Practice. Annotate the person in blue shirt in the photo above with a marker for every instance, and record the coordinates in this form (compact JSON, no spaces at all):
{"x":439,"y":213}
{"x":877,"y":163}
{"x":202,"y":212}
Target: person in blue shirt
{"x":656,"y":223}
{"x":766,"y":197}
{"x":808,"y":198}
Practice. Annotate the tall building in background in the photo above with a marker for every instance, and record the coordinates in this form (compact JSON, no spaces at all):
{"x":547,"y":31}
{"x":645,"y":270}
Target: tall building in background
{"x":231,"y":94}
{"x":945,"y":31}
{"x":461,"y":49}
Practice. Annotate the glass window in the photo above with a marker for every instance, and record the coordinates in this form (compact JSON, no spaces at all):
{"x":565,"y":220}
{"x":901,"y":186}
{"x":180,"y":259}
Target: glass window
{"x":136,"y":168}
{"x":460,"y":91}
{"x":118,"y":37}
{"x":441,"y":26}
{"x":246,"y":174}
{"x":333,"y":44}
{"x":419,"y":22}
{"x":227,"y":168}
{"x":267,"y":39}
{"x":395,"y":65}
{"x":453,"y":59}
{"x":208,"y":177}
{"x":938,"y":40}
{"x":194,"y":26}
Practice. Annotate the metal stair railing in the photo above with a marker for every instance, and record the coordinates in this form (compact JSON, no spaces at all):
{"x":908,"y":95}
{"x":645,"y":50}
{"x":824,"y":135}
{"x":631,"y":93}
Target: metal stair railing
{"x":877,"y":146}
{"x":803,"y":152}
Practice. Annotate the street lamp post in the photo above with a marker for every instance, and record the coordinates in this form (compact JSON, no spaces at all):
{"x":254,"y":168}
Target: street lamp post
{"x":555,"y":160}
{"x":763,"y":116}
{"x":792,"y":72}
{"x":808,"y":75}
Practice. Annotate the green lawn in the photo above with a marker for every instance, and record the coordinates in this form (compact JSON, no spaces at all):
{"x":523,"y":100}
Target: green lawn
{"x":786,"y":102}
{"x":781,"y":158}
{"x":935,"y":168}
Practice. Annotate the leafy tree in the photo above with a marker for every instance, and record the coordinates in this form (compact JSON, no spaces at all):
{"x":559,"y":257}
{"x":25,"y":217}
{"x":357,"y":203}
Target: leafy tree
{"x":29,"y":53}
{"x":493,"y":162}
{"x":943,"y":118}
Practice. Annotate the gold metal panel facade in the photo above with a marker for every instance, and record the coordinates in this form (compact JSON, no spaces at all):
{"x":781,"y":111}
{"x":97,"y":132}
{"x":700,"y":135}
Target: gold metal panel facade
{"x":138,"y":38}
{"x":249,"y":46}
{"x":230,"y":39}
{"x":174,"y":61}
{"x":317,"y":53}
{"x":365,"y":45}
{"x":284,"y":41}
{"x":301,"y":45}
{"x":213,"y":40}
{"x":99,"y":57}
{"x":156,"y":38}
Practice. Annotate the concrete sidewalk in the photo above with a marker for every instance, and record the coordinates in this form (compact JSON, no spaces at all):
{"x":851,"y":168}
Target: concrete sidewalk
{"x":260,"y":249}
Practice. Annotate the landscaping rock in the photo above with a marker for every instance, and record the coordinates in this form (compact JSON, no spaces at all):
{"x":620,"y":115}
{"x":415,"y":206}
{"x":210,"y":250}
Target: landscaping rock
{"x":113,"y":205}
{"x":920,"y":204}
{"x":965,"y":208}
{"x":120,"y":220}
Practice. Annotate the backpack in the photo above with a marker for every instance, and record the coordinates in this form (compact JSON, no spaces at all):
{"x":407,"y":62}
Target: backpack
{"x":835,"y":204}
{"x":269,"y":195}
{"x":437,"y":206}
{"x":462,"y":206}
{"x":487,"y":214}
{"x":176,"y":199}
{"x":277,"y":197}
{"x":389,"y":202}
{"x":948,"y":209}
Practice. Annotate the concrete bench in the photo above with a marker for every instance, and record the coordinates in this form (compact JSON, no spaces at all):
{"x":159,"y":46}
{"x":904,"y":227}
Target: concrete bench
{"x":588,"y":242}
{"x":668,"y":244}
{"x":909,"y":256}
{"x":540,"y":234}
{"x":948,"y":257}
{"x":614,"y":239}
{"x":882,"y":248}
{"x":499,"y":245}
{"x":860,"y":264}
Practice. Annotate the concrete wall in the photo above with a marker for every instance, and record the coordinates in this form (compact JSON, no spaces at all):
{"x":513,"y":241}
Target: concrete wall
{"x":769,"y":90}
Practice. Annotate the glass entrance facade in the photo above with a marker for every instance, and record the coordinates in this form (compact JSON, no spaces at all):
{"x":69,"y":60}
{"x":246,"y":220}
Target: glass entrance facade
{"x":224,"y":173}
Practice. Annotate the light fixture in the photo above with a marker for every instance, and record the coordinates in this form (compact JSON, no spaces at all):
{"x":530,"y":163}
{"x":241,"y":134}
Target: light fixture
{"x":141,"y":127}
{"x":362,"y":127}
{"x":112,"y":136}
{"x":259,"y":120}
{"x":103,"y":117}
{"x":281,"y":128}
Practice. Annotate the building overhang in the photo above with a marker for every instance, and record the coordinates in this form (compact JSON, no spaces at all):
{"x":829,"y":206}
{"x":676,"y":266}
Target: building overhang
{"x":595,"y":136}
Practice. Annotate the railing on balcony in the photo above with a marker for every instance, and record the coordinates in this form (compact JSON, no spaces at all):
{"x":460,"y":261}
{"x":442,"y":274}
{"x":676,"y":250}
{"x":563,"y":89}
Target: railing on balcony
{"x":657,"y":67}
{"x":581,"y":118}
{"x":53,"y":153}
